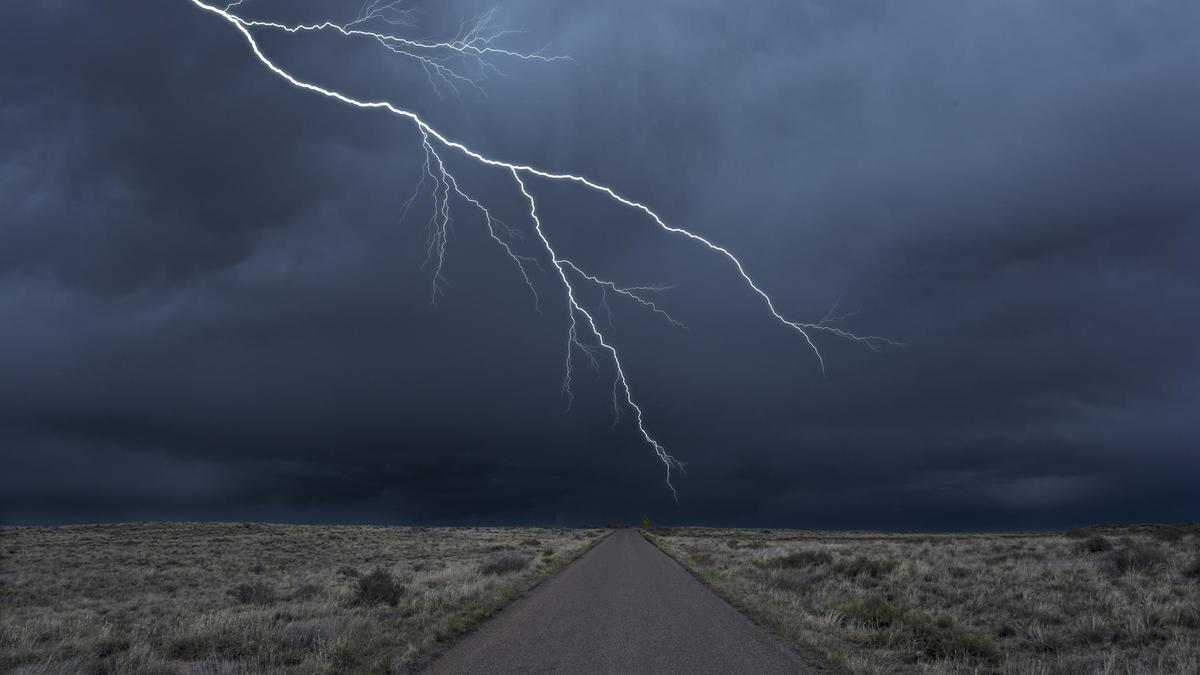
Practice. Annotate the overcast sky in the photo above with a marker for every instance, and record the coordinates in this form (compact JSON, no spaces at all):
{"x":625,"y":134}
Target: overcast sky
{"x":210,"y":307}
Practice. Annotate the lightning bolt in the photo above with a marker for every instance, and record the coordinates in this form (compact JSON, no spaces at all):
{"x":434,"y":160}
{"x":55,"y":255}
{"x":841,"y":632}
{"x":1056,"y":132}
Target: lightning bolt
{"x":445,"y":63}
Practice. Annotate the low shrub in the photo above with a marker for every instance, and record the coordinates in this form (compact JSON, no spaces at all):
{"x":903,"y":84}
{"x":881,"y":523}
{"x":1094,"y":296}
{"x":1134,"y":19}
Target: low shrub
{"x":737,"y":544}
{"x":531,"y":542}
{"x":193,"y":647}
{"x":932,"y":637}
{"x":800,"y":560}
{"x":504,"y":562}
{"x":874,"y":611}
{"x":378,"y":588}
{"x":308,"y":633}
{"x":942,"y":638}
{"x":1192,"y":571}
{"x":866,"y":567}
{"x":1170,"y":533}
{"x":307,"y":591}
{"x":957,"y":572}
{"x":110,"y":645}
{"x":793,"y":581}
{"x":1095,"y":544}
{"x":257,"y":593}
{"x":1136,"y":557}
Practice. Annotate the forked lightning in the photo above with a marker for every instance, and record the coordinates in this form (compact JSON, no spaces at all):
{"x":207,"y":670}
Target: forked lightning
{"x":466,"y":60}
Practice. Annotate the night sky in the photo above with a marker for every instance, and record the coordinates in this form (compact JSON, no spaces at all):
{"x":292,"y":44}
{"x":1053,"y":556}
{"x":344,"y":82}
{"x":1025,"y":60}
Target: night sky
{"x":210,"y":308}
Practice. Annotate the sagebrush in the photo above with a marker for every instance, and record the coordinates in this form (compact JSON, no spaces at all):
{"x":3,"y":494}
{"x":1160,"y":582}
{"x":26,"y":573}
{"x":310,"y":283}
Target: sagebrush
{"x":1099,"y":600}
{"x":217,"y":598}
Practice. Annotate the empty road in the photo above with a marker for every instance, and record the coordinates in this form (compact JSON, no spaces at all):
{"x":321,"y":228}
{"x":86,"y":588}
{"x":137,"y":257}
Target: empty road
{"x":624,"y":607}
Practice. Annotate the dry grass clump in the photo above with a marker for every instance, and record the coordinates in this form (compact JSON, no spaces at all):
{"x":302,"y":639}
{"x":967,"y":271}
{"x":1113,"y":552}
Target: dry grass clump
{"x":217,"y":598}
{"x":799,"y":560}
{"x":862,"y":566}
{"x":1137,"y":556}
{"x":1100,"y":600}
{"x":505,"y":562}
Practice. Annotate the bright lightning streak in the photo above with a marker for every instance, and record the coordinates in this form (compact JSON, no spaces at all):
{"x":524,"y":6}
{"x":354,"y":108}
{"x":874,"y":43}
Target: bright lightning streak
{"x":573,"y":307}
{"x":474,"y":42}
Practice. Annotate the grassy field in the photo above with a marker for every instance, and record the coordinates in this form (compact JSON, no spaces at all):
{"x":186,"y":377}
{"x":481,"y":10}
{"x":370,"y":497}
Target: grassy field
{"x":1102,"y":600}
{"x":221,"y":598}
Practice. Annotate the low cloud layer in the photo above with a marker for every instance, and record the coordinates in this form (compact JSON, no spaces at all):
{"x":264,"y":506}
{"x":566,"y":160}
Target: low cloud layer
{"x":211,"y":308}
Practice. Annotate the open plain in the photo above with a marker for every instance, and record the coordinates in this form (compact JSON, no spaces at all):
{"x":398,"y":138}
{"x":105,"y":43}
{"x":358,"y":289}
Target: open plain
{"x":252,"y":598}
{"x":1099,"y":600}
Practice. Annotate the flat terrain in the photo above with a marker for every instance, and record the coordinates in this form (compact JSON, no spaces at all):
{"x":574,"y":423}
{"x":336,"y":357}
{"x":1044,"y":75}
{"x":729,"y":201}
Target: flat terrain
{"x":1102,"y":600}
{"x":229,"y":599}
{"x":624,"y":607}
{"x":218,"y":598}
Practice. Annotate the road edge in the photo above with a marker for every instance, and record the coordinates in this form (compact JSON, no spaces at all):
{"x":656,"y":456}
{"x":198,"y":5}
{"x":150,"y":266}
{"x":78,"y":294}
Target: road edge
{"x":809,"y":654}
{"x":421,"y":663}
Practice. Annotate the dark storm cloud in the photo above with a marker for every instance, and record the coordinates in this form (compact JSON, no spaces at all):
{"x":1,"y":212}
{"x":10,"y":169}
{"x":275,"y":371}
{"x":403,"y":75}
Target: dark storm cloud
{"x":211,"y":310}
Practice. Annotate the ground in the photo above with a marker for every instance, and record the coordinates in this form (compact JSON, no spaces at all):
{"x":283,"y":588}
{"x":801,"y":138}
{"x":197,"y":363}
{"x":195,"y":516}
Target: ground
{"x":1100,"y":600}
{"x":251,"y":598}
{"x":227,"y":598}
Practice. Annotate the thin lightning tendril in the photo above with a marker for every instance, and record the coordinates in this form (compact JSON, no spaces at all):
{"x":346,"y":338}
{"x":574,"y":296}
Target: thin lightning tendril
{"x":574,"y":307}
{"x":474,"y":44}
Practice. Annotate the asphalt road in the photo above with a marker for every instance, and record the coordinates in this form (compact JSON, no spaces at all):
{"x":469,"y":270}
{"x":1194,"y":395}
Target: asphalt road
{"x":624,"y":607}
